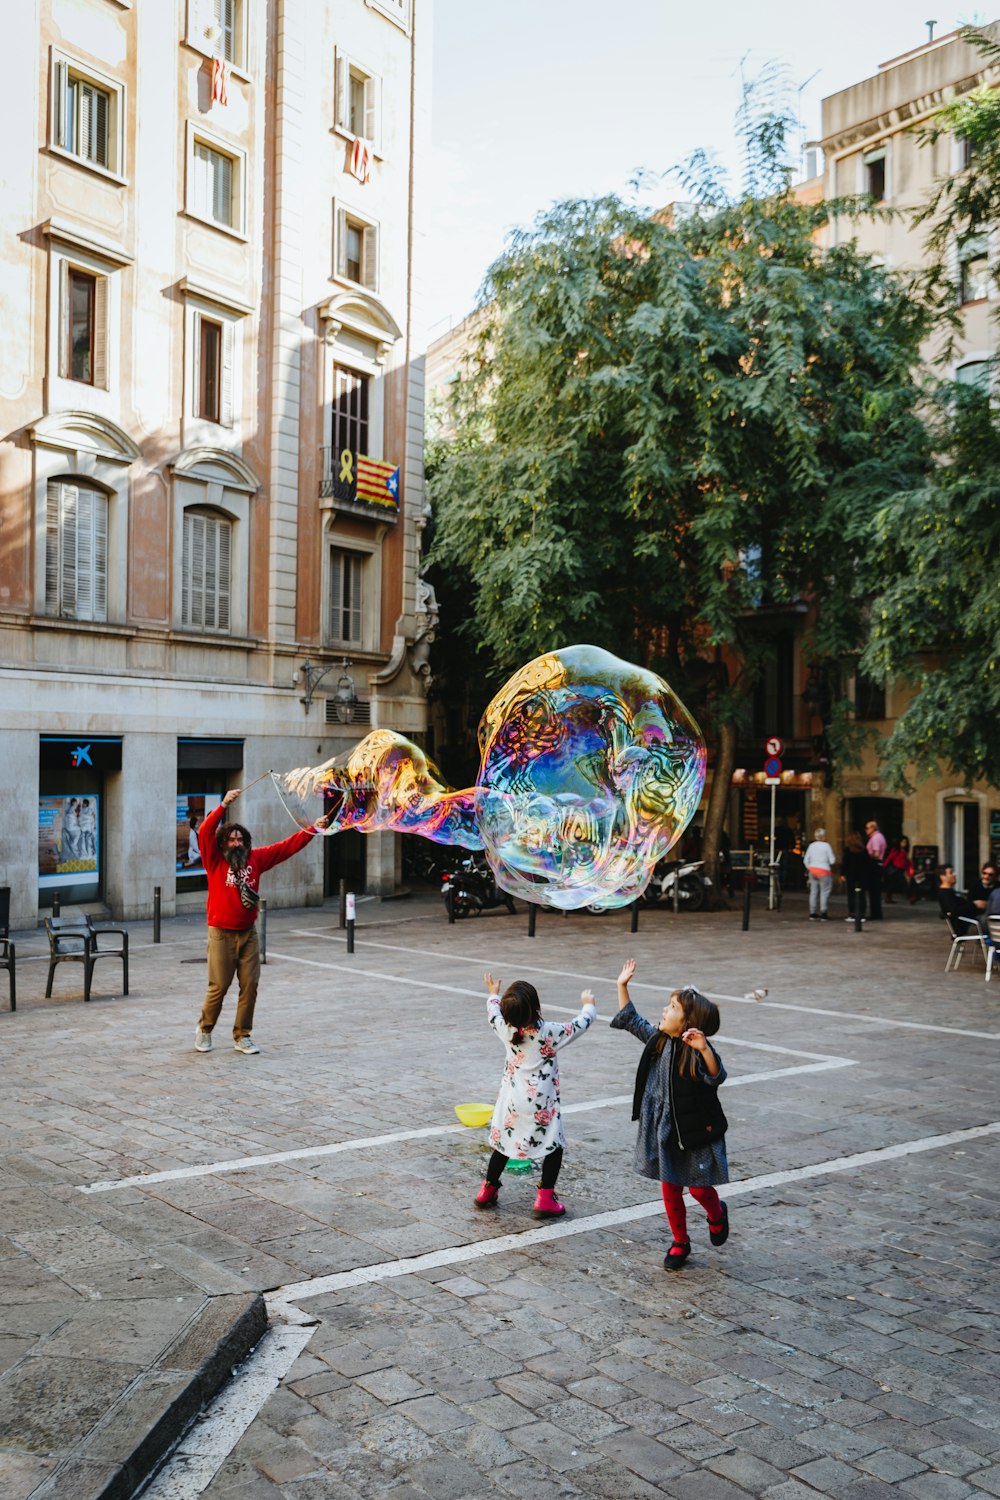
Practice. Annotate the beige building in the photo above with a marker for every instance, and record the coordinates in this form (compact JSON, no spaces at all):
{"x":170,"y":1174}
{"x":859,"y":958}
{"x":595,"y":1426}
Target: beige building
{"x":870,"y":144}
{"x":211,"y":429}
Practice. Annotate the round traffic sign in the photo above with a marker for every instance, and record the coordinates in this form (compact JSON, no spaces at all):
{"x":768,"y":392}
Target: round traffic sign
{"x":774,"y":746}
{"x":772,"y":766}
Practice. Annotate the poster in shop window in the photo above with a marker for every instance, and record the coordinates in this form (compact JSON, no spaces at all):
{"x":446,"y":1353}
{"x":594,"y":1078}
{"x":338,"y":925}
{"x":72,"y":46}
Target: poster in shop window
{"x":68,"y":840}
{"x":192,"y":808}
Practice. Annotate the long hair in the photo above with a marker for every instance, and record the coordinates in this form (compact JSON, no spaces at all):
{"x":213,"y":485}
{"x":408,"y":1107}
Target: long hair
{"x":521,"y":1007}
{"x":223,"y":832}
{"x":700,"y":1013}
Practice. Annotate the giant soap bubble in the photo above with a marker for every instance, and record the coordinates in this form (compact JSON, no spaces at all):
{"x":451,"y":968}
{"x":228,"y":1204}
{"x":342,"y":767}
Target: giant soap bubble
{"x":590,"y":770}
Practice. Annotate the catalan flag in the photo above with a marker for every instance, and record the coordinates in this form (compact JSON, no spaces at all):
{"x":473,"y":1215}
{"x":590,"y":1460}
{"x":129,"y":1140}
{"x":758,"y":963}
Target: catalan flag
{"x":377,"y":482}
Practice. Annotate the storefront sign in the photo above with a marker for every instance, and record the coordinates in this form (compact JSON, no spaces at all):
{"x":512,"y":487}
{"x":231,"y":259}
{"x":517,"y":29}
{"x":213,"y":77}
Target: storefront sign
{"x":68,"y":840}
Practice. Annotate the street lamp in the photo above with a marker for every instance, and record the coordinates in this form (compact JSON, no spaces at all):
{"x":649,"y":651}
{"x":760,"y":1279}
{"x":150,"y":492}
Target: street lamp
{"x":345,"y":696}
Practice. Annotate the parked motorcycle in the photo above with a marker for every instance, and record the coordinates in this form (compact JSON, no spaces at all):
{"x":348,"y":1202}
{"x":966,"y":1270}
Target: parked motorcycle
{"x":692,"y":885}
{"x":470,"y":888}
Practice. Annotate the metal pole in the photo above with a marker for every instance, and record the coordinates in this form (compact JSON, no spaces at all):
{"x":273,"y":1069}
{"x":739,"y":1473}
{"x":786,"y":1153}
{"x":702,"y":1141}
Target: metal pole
{"x":770,"y":851}
{"x":343,"y":904}
{"x":746,"y":900}
{"x":532,"y":918}
{"x":449,"y":904}
{"x":350,"y":922}
{"x":858,"y":898}
{"x":263,"y":932}
{"x":156,"y":913}
{"x":677,"y":888}
{"x":55,"y":903}
{"x":635,"y":917}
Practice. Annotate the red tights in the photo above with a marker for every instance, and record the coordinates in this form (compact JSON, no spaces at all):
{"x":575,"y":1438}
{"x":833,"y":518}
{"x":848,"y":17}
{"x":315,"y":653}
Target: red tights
{"x":673,"y":1202}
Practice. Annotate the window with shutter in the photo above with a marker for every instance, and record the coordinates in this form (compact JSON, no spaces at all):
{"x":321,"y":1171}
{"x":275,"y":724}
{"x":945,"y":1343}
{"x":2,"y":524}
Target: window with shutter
{"x":88,"y":115}
{"x":214,"y":185}
{"x":206,"y":580}
{"x":356,"y":249}
{"x":76,"y":551}
{"x":369,"y":257}
{"x":346,"y":597}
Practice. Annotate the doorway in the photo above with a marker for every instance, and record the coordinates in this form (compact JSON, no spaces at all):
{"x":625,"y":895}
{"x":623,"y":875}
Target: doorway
{"x":961,"y":840}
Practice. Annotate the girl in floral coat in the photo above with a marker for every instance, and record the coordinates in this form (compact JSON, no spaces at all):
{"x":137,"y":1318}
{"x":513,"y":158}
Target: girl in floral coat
{"x":526,"y":1121}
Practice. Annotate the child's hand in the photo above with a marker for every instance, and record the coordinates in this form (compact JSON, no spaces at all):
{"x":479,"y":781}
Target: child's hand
{"x":587,"y":998}
{"x":628,"y":969}
{"x":492,"y":985}
{"x":695,"y":1039}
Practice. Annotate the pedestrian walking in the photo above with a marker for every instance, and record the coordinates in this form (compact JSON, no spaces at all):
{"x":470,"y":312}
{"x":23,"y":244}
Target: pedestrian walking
{"x":234,"y":868}
{"x":681,"y":1142}
{"x":856,"y":868}
{"x":527,"y":1121}
{"x":819,"y":860}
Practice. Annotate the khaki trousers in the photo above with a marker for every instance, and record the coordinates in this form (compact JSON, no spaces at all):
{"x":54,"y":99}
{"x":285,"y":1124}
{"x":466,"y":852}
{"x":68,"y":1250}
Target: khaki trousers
{"x":230,"y":954}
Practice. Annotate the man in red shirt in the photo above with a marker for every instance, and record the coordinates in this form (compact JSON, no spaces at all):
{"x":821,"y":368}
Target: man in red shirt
{"x":234,"y":868}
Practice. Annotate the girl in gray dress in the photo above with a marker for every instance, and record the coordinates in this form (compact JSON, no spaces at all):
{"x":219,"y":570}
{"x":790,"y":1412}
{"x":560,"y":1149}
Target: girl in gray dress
{"x":682,"y":1128}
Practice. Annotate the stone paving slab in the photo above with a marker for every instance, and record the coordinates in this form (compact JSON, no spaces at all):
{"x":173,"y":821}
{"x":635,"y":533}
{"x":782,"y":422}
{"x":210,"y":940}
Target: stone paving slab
{"x":843,"y":1342}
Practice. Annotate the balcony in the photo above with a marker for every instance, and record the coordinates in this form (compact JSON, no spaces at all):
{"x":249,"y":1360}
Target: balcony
{"x":359,"y":484}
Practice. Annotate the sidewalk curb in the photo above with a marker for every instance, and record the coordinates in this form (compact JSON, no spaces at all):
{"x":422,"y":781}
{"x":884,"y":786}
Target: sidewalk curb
{"x":131,"y":1440}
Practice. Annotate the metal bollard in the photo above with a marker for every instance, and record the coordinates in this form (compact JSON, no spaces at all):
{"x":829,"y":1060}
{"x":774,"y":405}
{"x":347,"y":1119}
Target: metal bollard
{"x":532,"y":918}
{"x":449,"y":905}
{"x":858,"y":897}
{"x":343,"y":904}
{"x":634,"y":925}
{"x":156,"y":913}
{"x":677,"y":890}
{"x":263,"y":932}
{"x":746,"y":902}
{"x":349,"y":904}
{"x":55,"y":903}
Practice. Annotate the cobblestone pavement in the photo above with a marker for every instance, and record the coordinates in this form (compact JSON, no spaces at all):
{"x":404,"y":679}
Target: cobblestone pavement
{"x":844,"y":1342}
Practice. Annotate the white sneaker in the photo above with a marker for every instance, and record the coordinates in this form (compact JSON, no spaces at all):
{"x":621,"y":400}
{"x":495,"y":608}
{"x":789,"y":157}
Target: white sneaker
{"x":202,"y":1040}
{"x":246,"y":1045}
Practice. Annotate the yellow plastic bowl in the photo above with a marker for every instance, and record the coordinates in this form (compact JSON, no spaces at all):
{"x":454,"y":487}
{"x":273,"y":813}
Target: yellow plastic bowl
{"x":474,"y":1114}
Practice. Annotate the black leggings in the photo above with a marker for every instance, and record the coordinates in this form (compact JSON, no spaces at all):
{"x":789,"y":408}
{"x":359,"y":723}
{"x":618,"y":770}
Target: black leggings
{"x":550,"y":1167}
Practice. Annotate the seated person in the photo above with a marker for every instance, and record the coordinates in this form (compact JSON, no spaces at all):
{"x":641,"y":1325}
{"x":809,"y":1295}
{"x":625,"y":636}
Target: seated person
{"x":953,"y":904}
{"x":992,"y":904}
{"x":980,"y":889}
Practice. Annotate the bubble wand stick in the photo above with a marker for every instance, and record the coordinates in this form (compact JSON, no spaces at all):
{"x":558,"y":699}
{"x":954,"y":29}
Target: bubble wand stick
{"x":255,"y":781}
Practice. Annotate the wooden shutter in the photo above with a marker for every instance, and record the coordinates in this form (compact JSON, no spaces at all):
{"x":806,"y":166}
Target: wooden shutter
{"x":99,"y":509}
{"x":195,"y":403}
{"x":60,"y":106}
{"x":226,"y":374}
{"x":353,"y":580}
{"x":337,"y":560}
{"x":225,"y":19}
{"x":369,"y":257}
{"x":201,"y":180}
{"x":85,"y":560}
{"x":342,"y":93}
{"x":222,"y":193}
{"x":68,"y":497}
{"x":101,"y":332}
{"x":65,"y":321}
{"x":99,"y":132}
{"x":372,"y":90}
{"x":52,"y":505}
{"x":193,"y":588}
{"x":224,"y":532}
{"x":340,"y":238}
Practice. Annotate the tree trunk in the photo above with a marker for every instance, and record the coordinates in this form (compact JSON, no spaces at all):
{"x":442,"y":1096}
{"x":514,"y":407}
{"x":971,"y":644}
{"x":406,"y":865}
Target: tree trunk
{"x":718,"y":802}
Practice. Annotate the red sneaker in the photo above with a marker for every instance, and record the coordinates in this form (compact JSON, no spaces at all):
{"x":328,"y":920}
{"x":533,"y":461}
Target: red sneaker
{"x":487,"y":1196}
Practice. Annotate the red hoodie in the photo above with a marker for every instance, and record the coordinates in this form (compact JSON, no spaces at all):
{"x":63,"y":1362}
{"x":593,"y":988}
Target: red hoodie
{"x":225,"y":909}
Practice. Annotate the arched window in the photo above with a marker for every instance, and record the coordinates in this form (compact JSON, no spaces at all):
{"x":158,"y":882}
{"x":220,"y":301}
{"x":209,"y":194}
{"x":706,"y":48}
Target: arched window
{"x":206,"y":571}
{"x":76,"y":551}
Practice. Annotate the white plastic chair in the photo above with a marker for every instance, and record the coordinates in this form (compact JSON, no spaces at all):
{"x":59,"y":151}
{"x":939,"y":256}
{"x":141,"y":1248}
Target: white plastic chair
{"x":965,"y":930}
{"x":992,"y":944}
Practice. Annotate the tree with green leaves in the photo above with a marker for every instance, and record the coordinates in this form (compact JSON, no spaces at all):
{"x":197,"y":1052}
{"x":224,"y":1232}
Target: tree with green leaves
{"x":935,"y":620}
{"x":675,"y":432}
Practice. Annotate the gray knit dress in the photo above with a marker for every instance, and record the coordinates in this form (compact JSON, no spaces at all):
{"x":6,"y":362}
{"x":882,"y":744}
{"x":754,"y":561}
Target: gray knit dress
{"x":655,"y":1156}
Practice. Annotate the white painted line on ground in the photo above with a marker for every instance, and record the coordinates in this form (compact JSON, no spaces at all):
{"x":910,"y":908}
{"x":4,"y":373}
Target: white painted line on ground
{"x":364,"y":1143}
{"x":203,"y":1450}
{"x":320,"y":1286}
{"x":809,"y":1010}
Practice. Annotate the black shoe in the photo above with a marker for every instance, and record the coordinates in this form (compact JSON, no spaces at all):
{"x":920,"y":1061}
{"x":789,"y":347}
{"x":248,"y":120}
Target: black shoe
{"x":824,"y":916}
{"x":720,"y":1236}
{"x":672,"y":1262}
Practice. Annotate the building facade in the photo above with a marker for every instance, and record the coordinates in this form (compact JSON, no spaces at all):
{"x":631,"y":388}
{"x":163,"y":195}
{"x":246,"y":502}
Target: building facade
{"x":211,"y":471}
{"x":871,"y":144}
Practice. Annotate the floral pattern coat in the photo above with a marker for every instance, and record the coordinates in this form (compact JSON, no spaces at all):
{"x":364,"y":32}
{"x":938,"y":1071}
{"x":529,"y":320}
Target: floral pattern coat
{"x":527,"y":1123}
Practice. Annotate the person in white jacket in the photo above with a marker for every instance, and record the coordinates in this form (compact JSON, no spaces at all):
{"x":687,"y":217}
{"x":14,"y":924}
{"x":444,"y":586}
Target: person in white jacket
{"x":819,"y":860}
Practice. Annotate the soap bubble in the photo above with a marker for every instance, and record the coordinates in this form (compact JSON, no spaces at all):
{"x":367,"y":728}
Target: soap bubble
{"x":590,"y":770}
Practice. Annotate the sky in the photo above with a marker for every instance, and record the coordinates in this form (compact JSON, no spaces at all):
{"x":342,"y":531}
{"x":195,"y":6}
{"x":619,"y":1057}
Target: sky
{"x":539,"y":100}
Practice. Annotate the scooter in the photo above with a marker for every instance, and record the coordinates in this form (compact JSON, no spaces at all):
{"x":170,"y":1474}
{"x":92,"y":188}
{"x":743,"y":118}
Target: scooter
{"x":691,"y":884}
{"x":470,"y":889}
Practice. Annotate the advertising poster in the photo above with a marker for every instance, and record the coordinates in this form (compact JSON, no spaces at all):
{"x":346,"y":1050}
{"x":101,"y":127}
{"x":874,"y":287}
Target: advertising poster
{"x":192,"y":807}
{"x":68,"y":834}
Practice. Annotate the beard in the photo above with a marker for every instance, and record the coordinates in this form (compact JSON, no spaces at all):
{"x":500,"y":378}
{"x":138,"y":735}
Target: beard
{"x":236,"y":858}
